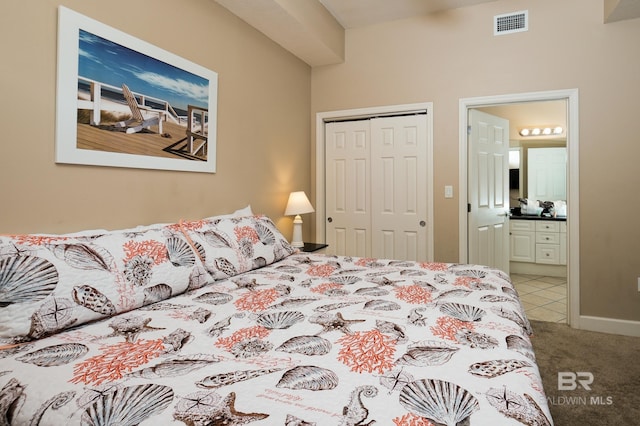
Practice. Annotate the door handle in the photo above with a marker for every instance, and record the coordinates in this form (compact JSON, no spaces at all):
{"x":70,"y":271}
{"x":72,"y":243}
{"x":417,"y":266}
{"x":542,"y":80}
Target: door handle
{"x":503,"y":214}
{"x":423,"y":223}
{"x":329,"y":219}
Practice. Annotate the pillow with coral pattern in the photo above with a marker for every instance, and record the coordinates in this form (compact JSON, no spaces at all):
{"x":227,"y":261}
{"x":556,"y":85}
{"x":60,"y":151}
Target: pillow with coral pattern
{"x":49,"y":283}
{"x":233,"y":245}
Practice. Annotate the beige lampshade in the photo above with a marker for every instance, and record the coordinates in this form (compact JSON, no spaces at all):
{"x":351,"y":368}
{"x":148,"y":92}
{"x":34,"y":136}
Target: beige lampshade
{"x":298,"y":204}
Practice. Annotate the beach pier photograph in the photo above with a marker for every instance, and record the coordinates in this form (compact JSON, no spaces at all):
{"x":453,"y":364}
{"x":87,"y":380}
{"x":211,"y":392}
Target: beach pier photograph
{"x":125,"y":103}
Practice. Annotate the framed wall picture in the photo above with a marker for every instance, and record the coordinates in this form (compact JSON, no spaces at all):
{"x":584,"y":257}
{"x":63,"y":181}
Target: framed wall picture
{"x":122,"y":102}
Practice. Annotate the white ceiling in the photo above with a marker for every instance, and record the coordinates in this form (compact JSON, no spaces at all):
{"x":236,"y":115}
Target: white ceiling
{"x":360,"y":13}
{"x":314,"y":30}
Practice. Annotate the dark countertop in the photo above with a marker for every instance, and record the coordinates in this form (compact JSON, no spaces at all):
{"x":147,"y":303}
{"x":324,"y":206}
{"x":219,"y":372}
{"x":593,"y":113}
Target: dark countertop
{"x":531,"y":217}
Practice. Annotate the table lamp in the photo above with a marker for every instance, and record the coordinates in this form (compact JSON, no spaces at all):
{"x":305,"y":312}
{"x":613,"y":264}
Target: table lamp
{"x":298,"y":204}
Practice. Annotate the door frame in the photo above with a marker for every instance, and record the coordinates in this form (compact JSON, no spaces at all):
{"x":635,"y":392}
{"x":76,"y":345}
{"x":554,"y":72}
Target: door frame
{"x":573,"y":193}
{"x":370,"y":112}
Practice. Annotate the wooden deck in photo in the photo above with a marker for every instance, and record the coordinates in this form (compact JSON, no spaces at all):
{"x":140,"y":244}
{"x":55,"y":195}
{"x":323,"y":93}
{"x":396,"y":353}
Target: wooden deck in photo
{"x":172,"y":143}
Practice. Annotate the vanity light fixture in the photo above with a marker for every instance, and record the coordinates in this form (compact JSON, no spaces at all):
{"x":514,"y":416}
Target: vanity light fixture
{"x":541,"y":131}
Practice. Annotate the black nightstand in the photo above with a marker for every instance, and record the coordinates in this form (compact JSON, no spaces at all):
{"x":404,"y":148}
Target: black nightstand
{"x":310,"y":247}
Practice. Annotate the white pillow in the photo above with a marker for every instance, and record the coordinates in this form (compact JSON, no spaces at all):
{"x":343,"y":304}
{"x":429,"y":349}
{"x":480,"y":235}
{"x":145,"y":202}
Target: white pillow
{"x":244,"y":211}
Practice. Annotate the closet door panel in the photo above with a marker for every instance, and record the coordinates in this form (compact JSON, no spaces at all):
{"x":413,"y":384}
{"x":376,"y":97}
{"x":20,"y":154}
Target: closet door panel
{"x":348,"y":188}
{"x":399,"y":187}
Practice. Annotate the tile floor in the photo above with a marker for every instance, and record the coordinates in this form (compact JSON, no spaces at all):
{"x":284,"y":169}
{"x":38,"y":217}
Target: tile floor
{"x":543,"y":298}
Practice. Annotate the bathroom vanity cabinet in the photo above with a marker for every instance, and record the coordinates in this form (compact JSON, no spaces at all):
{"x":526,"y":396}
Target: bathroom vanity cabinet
{"x":536,"y":242}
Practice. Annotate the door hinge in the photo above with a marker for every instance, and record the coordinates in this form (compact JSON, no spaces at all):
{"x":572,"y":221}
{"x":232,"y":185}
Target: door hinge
{"x":468,"y":130}
{"x":468,"y":207}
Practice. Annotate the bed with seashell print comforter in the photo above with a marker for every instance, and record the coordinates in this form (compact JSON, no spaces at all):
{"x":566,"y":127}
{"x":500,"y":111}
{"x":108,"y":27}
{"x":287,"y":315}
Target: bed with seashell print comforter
{"x":296,"y":339}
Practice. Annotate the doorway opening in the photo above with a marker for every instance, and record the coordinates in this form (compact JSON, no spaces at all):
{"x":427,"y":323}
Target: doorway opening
{"x":572,"y":203}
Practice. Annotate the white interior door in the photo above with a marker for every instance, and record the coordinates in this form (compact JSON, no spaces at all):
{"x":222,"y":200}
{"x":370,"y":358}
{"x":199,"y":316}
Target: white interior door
{"x":399,"y":184}
{"x":488,"y":187}
{"x":348,"y":229}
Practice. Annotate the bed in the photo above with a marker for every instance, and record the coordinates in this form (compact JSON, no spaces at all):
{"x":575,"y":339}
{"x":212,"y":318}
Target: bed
{"x":221,"y":321}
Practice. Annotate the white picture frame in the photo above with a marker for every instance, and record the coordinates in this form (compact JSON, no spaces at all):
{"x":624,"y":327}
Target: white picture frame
{"x":162,"y":85}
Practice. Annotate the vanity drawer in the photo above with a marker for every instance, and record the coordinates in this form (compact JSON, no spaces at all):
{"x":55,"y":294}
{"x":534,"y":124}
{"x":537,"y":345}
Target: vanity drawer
{"x":548,"y":237}
{"x":548,"y":253}
{"x":547,"y":226}
{"x":522,"y":225}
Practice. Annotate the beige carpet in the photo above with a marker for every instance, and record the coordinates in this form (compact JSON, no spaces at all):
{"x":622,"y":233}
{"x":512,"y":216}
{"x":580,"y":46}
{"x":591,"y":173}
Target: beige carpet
{"x":607,"y":364}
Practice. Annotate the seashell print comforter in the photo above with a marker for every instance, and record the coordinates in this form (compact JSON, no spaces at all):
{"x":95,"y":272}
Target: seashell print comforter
{"x":308,"y":340}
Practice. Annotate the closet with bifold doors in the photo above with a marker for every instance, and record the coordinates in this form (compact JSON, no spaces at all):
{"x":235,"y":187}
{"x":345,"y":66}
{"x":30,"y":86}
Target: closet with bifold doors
{"x":376,"y":186}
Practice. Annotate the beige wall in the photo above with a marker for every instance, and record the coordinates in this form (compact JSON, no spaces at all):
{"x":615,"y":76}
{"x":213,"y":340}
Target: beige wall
{"x":265,"y":105}
{"x":263,"y":122}
{"x":449,"y":56}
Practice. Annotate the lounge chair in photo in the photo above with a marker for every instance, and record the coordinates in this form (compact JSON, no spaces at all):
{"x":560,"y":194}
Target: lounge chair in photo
{"x":138,"y":121}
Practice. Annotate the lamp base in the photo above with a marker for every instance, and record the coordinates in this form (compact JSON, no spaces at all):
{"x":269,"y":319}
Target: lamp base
{"x":296,"y":241}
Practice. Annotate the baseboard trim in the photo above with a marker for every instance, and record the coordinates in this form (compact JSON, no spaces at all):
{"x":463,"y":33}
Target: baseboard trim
{"x":609,"y":325}
{"x":538,"y":269}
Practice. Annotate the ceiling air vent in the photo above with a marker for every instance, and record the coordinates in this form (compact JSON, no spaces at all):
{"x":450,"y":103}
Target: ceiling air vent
{"x":511,"y":23}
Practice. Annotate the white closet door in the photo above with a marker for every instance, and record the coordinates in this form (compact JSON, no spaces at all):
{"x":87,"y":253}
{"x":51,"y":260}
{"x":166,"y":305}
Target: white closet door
{"x":348,"y":229}
{"x":377,"y":188}
{"x":399,"y":187}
